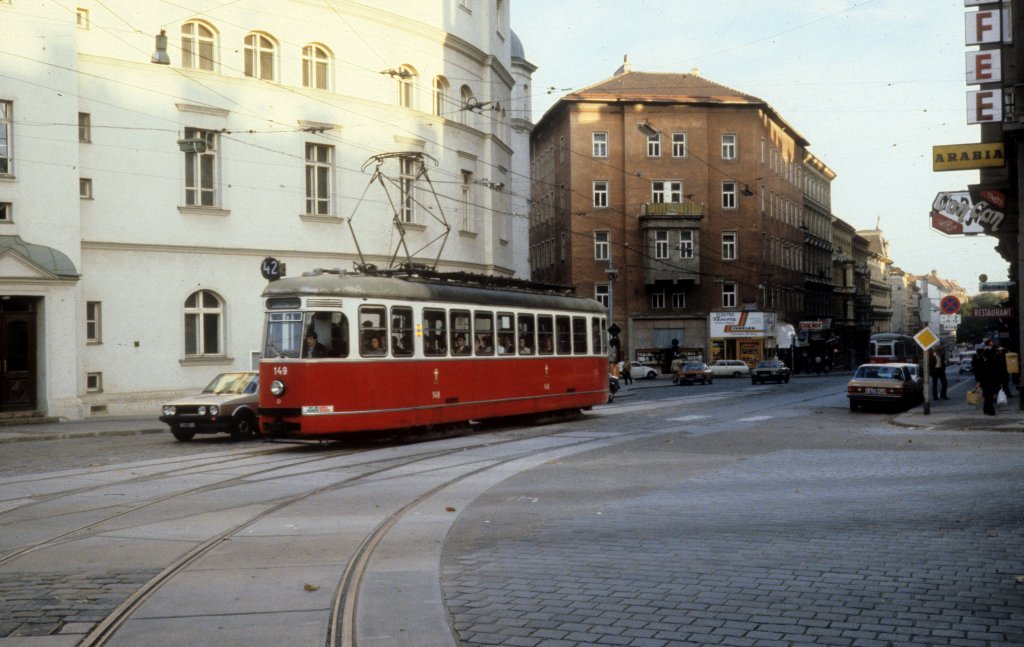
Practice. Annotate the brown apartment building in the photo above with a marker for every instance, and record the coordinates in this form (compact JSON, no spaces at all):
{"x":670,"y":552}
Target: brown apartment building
{"x":678,"y":202}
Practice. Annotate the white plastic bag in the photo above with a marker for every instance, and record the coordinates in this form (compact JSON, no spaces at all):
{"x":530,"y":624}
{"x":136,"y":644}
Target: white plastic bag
{"x":1001,"y":398}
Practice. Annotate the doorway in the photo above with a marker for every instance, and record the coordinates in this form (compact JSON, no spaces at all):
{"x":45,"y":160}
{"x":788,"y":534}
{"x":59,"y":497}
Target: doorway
{"x":17,"y":353}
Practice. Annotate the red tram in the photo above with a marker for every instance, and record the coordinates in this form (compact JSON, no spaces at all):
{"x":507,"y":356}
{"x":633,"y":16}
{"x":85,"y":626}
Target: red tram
{"x":351,"y":352}
{"x":888,"y":347}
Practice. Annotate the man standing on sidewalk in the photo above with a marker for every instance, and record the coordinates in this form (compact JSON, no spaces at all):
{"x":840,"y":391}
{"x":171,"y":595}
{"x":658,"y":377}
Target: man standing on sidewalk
{"x":937,"y":369}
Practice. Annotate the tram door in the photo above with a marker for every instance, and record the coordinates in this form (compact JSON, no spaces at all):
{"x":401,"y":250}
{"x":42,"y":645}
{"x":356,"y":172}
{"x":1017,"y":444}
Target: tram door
{"x":17,"y":360}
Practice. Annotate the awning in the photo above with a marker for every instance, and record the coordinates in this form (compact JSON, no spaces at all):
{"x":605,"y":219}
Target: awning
{"x":47,"y":258}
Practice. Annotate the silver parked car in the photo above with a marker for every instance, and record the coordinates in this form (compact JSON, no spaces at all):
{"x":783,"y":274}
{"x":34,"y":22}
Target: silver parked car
{"x":228,"y":404}
{"x":730,"y":368}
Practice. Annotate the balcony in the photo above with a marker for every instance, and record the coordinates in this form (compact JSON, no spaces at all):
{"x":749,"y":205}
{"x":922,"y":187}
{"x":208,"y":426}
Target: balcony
{"x":685,"y":208}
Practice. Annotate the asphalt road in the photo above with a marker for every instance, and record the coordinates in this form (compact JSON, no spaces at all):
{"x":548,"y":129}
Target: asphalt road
{"x":693,"y":515}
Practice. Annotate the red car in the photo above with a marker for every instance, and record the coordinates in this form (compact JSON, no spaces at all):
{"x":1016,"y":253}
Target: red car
{"x":691,"y":372}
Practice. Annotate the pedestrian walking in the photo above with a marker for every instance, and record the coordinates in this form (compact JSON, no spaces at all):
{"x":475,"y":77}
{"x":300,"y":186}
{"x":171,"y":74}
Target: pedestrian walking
{"x":986,"y":372}
{"x":624,"y":373}
{"x":937,"y":369}
{"x":1004,"y":371}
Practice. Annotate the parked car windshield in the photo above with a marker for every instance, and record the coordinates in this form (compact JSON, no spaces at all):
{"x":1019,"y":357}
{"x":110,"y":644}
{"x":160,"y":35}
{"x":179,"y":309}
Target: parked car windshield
{"x":235,"y":383}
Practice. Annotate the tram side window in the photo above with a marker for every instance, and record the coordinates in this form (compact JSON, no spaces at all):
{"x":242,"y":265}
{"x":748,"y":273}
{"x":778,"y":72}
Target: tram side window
{"x":401,"y":331}
{"x":545,"y":335}
{"x":331,"y":334}
{"x":579,"y":335}
{"x":595,"y":335}
{"x":527,"y":342}
{"x":563,"y":339}
{"x":461,"y":332}
{"x":435,"y":333}
{"x":483,"y":326}
{"x":506,"y":334}
{"x":373,"y":331}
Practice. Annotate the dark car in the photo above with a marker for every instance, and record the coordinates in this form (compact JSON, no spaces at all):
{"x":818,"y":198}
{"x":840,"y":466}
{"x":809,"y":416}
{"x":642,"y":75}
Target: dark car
{"x":228,"y":404}
{"x":770,"y":370}
{"x":691,"y":372}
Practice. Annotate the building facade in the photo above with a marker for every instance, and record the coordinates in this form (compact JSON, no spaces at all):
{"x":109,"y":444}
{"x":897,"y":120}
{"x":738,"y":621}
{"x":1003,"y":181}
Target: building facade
{"x":139,"y":196}
{"x":678,"y":202}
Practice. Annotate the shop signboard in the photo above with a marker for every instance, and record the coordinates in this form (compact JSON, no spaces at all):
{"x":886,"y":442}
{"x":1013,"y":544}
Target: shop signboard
{"x":741,"y":324}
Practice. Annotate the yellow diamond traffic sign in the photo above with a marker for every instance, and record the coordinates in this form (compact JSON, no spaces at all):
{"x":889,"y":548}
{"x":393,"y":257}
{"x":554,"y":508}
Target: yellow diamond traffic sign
{"x":926,"y":338}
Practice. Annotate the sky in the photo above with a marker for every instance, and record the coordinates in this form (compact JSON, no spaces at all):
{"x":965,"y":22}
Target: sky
{"x":871,"y":84}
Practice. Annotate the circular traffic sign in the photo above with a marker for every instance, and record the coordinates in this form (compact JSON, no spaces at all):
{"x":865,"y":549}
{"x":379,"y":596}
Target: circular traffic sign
{"x":949,"y":305}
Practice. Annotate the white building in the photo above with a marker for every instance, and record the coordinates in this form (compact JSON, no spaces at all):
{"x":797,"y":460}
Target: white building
{"x":138,"y":200}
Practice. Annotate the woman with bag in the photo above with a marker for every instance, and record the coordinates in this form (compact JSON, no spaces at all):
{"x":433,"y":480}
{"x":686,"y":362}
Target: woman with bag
{"x":986,"y":371}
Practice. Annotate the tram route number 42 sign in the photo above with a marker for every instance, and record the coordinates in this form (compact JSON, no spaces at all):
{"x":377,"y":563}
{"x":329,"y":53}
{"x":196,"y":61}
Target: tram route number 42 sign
{"x":926,"y":338}
{"x":271,"y":268}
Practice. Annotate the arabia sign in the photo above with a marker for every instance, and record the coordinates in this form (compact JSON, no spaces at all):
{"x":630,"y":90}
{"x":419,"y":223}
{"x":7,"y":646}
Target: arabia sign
{"x":957,"y":157}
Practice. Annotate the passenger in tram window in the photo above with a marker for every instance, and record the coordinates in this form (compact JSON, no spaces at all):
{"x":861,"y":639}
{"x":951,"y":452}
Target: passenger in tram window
{"x":313,"y":346}
{"x":505,"y":345}
{"x":372,"y":344}
{"x":546,"y":346}
{"x":523,"y":348}
{"x":483,"y":345}
{"x":460,"y":347}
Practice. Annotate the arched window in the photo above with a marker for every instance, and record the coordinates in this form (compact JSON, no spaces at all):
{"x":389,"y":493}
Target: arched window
{"x":204,"y":324}
{"x":316,"y":67}
{"x":441,"y":90}
{"x":465,"y":101}
{"x":406,"y":87}
{"x":198,"y":43}
{"x":260,"y":51}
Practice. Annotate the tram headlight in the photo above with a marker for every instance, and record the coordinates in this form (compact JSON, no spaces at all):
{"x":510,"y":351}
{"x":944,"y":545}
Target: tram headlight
{"x":277,"y":388}
{"x":214,"y":410}
{"x":202,"y":411}
{"x":169,"y":410}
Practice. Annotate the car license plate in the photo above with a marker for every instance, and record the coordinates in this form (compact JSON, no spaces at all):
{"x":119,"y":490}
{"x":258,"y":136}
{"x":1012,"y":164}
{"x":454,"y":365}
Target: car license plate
{"x":876,"y":391}
{"x":187,"y":425}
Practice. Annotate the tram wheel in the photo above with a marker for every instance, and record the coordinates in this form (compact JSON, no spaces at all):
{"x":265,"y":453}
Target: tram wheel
{"x":182,"y":435}
{"x":244,"y":426}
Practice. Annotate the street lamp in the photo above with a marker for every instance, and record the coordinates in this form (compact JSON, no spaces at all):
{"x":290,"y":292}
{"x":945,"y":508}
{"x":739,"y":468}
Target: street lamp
{"x":160,"y":56}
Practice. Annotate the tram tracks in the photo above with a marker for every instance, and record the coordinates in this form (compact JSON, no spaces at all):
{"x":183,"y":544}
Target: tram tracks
{"x":345,"y":600}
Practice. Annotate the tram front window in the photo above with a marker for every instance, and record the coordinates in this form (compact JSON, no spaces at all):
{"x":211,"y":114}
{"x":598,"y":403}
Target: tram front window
{"x":287,"y":332}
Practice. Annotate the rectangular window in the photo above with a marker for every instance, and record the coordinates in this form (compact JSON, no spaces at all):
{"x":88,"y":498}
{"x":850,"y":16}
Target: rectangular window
{"x":545,"y":334}
{"x":82,"y":16}
{"x":526,"y":333}
{"x":654,"y":145}
{"x":461,"y":332}
{"x":201,"y":168}
{"x":601,"y":293}
{"x":563,"y":335}
{"x":600,"y":144}
{"x":579,"y":335}
{"x":597,"y":335}
{"x":600,"y":194}
{"x":93,"y":330}
{"x":728,"y":245}
{"x":466,"y":213}
{"x":483,"y":328}
{"x":658,"y":300}
{"x":319,"y":171}
{"x":6,"y":212}
{"x":686,"y":244}
{"x":729,"y":146}
{"x":6,"y":118}
{"x":678,"y":144}
{"x":401,"y":331}
{"x":94,"y":382}
{"x":85,"y":188}
{"x":601,"y":245}
{"x":506,"y":334}
{"x":435,"y":333}
{"x":84,"y":128}
{"x":728,"y":195}
{"x":373,"y":331}
{"x":407,"y":197}
{"x":728,"y":295}
{"x":666,"y":191}
{"x":678,"y":299}
{"x":661,"y":245}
